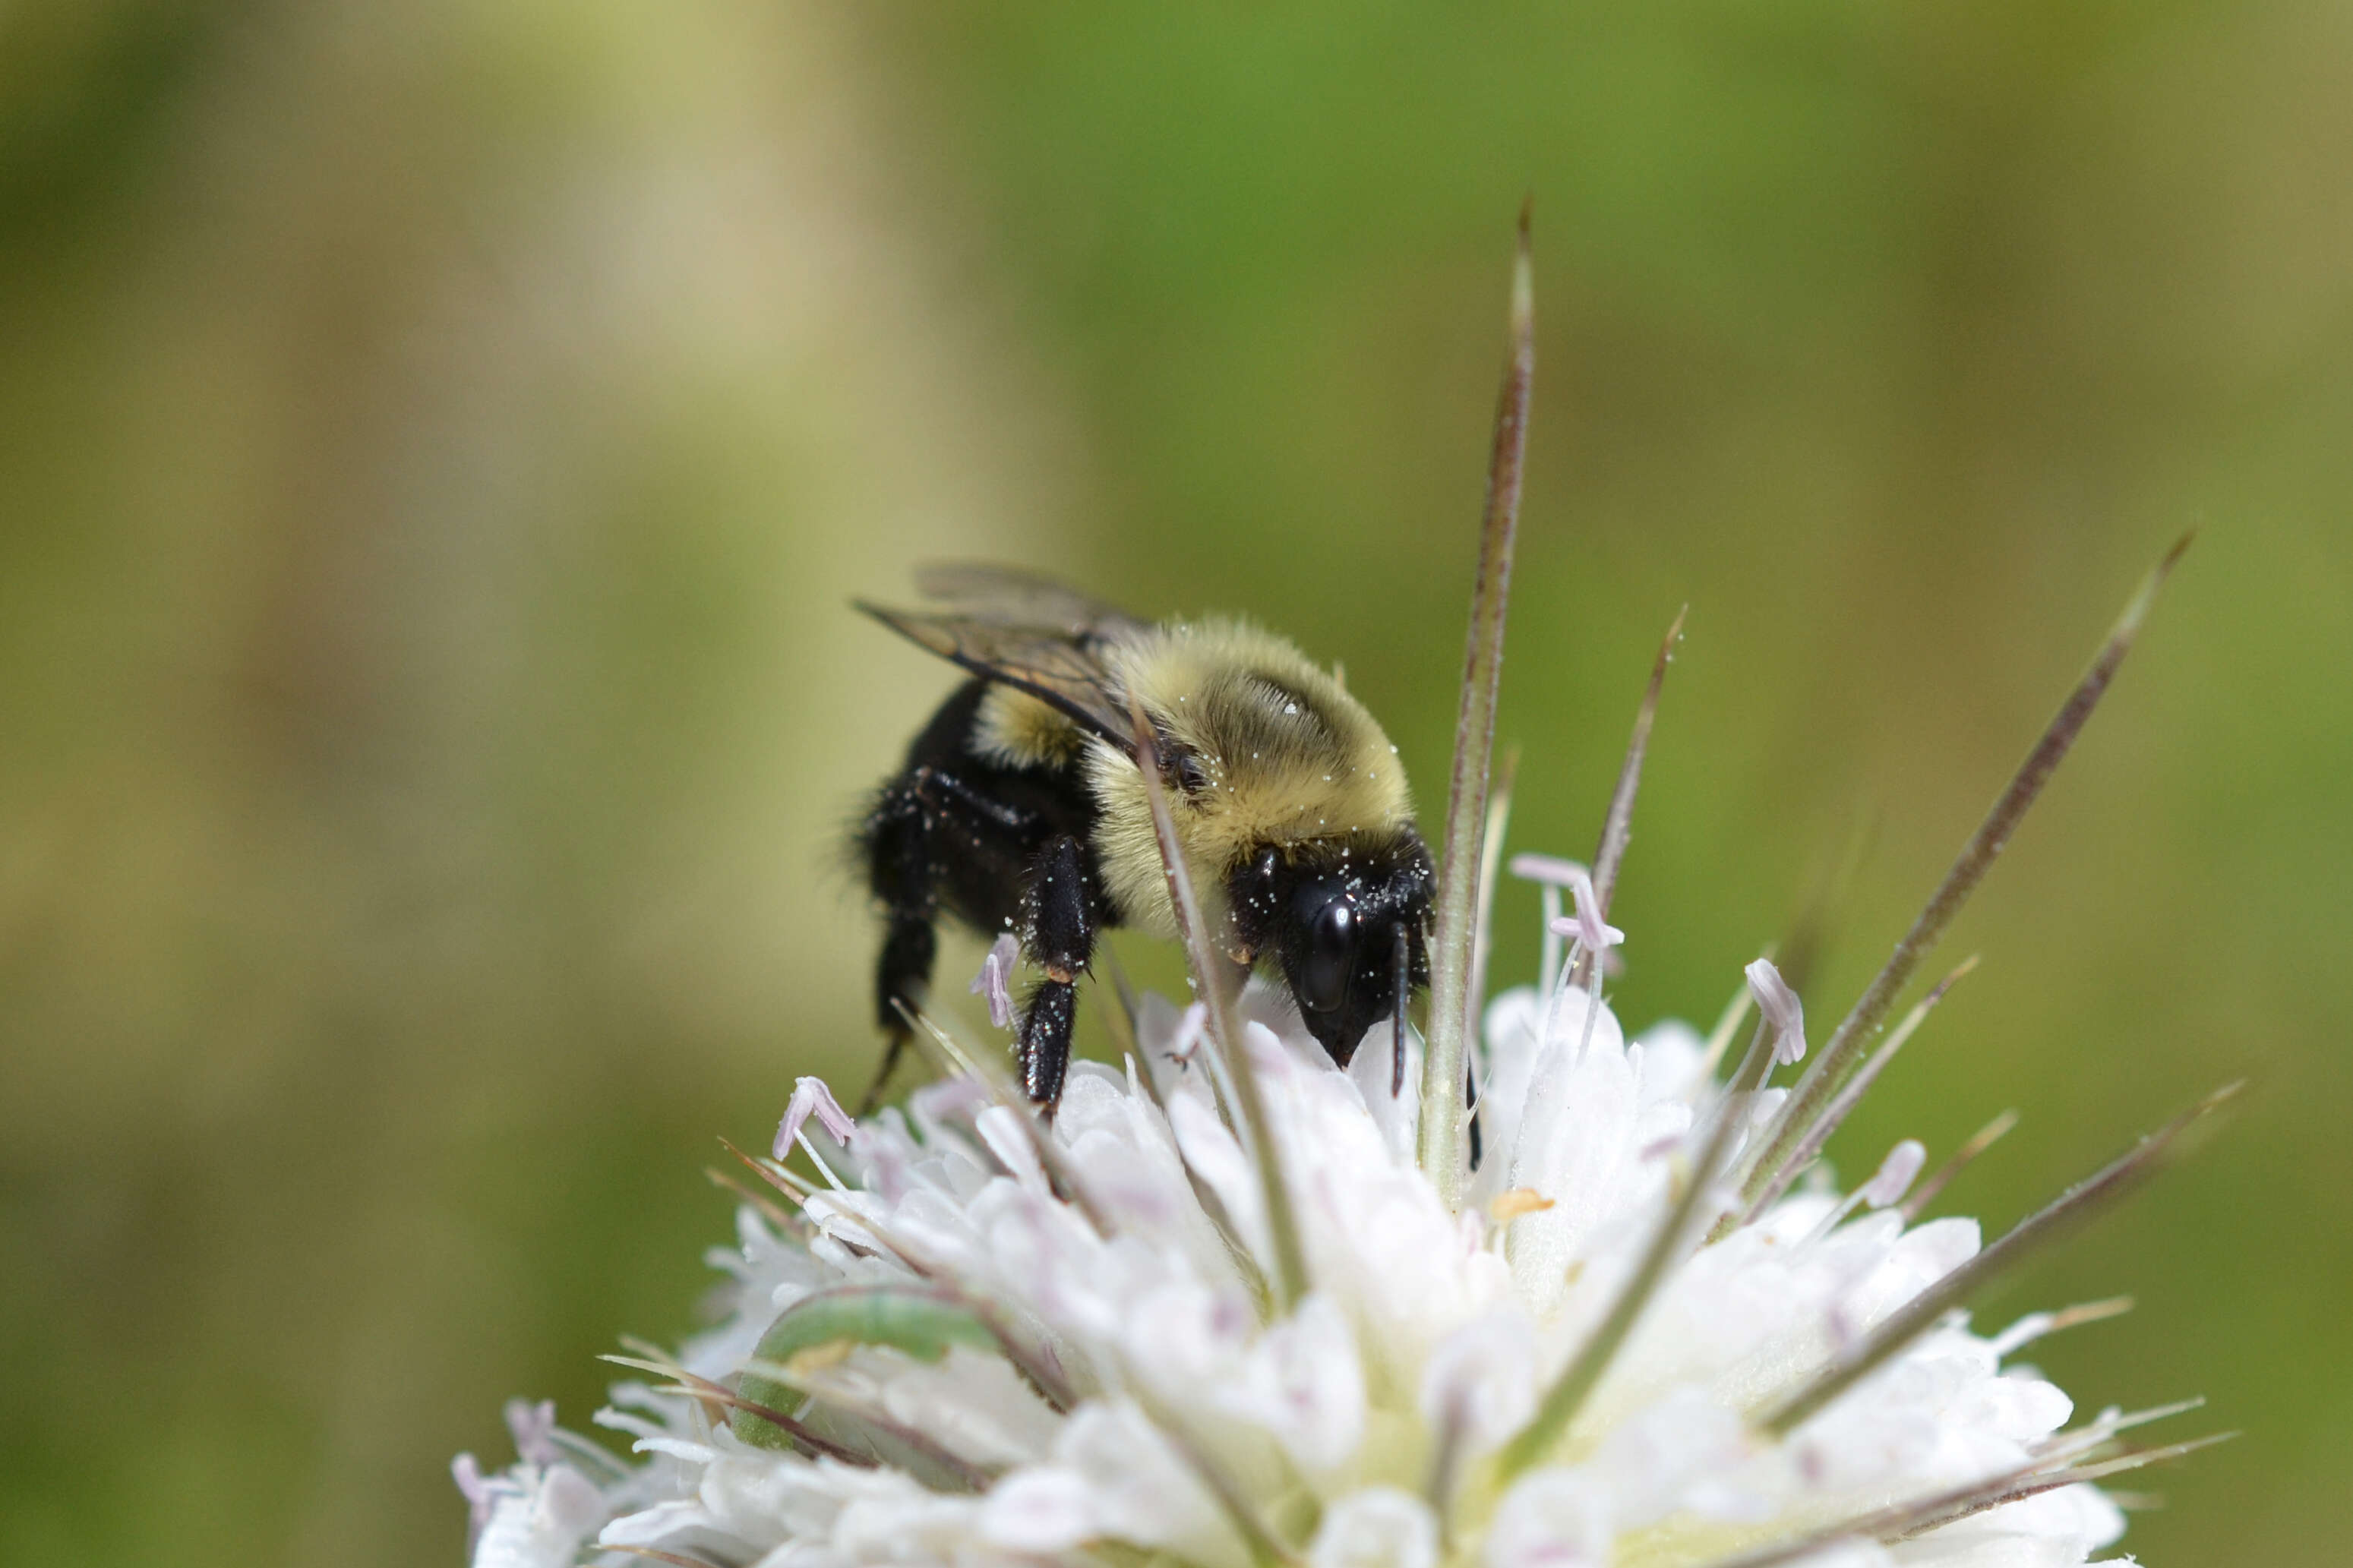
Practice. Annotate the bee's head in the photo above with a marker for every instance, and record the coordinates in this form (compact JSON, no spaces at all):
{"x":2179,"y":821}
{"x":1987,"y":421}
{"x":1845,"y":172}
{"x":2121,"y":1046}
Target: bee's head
{"x":1343,"y":924}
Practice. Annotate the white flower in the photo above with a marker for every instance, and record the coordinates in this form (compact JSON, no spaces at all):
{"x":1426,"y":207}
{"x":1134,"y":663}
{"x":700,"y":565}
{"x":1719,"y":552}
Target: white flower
{"x":1235,"y":1306}
{"x":1002,"y":1343}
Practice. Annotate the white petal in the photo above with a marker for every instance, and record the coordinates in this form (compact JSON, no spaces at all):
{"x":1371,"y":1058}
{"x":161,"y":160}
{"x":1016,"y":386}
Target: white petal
{"x":1144,"y":1492}
{"x":1512,"y":1032}
{"x":1550,"y":1519}
{"x":1483,"y":1380}
{"x":1000,"y":1128}
{"x":537,"y":1518}
{"x":1379,"y":1526}
{"x":1049,"y":1508}
{"x":1213,"y":1155}
{"x":1302,"y":1382}
{"x":1576,"y":1147}
{"x":1371,"y":1070}
{"x":1846,"y":1555}
{"x":974,"y":1403}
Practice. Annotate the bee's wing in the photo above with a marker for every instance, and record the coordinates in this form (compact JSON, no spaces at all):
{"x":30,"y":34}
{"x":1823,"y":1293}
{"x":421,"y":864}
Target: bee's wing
{"x":1010,"y":596}
{"x":1057,"y":667}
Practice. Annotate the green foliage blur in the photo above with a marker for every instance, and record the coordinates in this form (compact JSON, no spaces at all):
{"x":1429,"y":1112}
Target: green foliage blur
{"x":436,"y":443}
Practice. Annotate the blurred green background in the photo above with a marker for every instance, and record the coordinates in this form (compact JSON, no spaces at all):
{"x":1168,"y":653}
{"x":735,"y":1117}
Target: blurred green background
{"x":436,"y":443}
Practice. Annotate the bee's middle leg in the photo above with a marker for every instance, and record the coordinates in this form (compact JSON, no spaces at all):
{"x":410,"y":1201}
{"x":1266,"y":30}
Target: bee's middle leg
{"x":1062,"y":910}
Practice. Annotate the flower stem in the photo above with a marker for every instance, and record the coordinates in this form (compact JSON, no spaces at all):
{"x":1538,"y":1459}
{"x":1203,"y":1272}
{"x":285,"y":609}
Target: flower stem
{"x":1443,"y":1117}
{"x":1617,"y":823}
{"x":1850,"y":1093}
{"x":1267,"y":1550}
{"x":1902,"y":1522}
{"x":1915,"y":1317}
{"x":1499,"y":819}
{"x":1289,"y":1282}
{"x":1774,"y":1170}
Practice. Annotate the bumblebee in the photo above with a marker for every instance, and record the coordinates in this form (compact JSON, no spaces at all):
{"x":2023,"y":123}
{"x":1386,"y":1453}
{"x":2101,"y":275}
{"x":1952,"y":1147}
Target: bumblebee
{"x":1022,"y":808}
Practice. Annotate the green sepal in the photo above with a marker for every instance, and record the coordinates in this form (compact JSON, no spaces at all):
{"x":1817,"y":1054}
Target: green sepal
{"x":829,"y":1324}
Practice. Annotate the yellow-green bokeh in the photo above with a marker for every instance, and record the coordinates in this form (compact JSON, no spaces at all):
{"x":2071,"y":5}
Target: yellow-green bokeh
{"x":436,"y":443}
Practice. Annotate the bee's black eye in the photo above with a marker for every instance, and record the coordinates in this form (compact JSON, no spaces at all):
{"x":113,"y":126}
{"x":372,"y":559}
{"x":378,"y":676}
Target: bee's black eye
{"x":1192,"y":777}
{"x":1331,"y":954}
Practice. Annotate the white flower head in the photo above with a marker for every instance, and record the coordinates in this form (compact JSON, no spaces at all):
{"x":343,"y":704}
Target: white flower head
{"x":1009,"y":1342}
{"x":1235,"y":1306}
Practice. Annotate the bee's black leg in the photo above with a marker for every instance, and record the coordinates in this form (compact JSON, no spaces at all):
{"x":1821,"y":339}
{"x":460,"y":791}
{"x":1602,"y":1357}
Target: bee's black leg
{"x":1046,"y":1040}
{"x":897,"y":841}
{"x":1471,"y":1103}
{"x":1061,"y":910}
{"x":902,"y":977}
{"x":921,"y":823}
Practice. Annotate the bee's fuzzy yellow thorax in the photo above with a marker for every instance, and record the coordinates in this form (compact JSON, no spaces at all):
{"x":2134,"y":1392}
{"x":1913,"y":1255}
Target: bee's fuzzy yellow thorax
{"x":1286,"y":758}
{"x":1017,"y":729}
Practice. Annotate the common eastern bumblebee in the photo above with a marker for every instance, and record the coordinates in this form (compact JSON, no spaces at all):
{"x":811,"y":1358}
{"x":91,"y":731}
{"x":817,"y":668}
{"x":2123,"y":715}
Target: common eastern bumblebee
{"x":1021,"y":808}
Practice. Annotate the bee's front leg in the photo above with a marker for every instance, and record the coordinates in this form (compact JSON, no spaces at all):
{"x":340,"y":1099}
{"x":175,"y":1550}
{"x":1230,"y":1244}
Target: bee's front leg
{"x":1063,"y":908}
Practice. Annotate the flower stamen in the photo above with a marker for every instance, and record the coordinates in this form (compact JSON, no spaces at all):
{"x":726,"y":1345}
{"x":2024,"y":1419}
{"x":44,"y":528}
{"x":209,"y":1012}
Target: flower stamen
{"x":994,"y":980}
